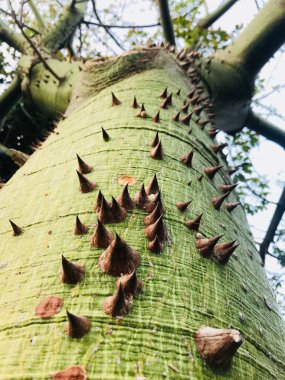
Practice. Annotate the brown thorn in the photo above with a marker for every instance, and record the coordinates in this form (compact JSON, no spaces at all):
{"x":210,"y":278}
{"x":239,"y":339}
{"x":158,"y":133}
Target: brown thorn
{"x":185,"y":108}
{"x":116,"y":305}
{"x":155,"y":141}
{"x":80,"y":228}
{"x":141,"y":197}
{"x":130,"y":284}
{"x":176,"y":117}
{"x":231,"y":171}
{"x":186,"y":119}
{"x":211,"y":171}
{"x":163,"y":95}
{"x":16,"y":229}
{"x":153,"y":186}
{"x":194,"y":224}
{"x":217,"y":201}
{"x":154,"y":215}
{"x":169,"y":99}
{"x":105,"y":214}
{"x":101,"y":237}
{"x":155,"y":245}
{"x":182,"y":206}
{"x":77,"y":326}
{"x":191,"y":93}
{"x":124,"y":199}
{"x":98,"y":201}
{"x":157,"y":152}
{"x":178,"y":92}
{"x":156,"y":118}
{"x":227,"y":187}
{"x":231,"y":206}
{"x":135,"y":103}
{"x":84,"y":184}
{"x":105,"y":135}
{"x":212,"y":132}
{"x":164,"y":104}
{"x":198,"y":110}
{"x":187,"y":159}
{"x":157,"y":228}
{"x":217,"y":346}
{"x":115,"y":100}
{"x":203,"y":123}
{"x":83,"y":168}
{"x":216,"y":148}
{"x":206,"y":246}
{"x":223,"y":251}
{"x":71,"y":273}
{"x":118,"y":212}
{"x":119,"y":258}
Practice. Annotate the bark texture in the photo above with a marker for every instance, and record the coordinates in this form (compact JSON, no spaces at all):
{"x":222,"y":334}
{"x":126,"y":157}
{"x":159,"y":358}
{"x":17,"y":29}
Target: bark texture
{"x":182,"y":290}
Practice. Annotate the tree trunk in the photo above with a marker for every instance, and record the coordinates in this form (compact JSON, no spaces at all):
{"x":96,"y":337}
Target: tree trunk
{"x":182,"y":290}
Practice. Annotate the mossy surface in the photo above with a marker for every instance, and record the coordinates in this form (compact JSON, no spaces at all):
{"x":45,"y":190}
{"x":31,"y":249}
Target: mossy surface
{"x":182,"y":290}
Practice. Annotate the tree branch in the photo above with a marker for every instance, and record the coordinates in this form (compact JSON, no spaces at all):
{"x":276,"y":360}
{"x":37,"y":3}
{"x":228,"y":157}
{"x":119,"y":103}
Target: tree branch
{"x":105,"y":28}
{"x":259,"y":41}
{"x":265,"y":128}
{"x":37,"y":15}
{"x":13,"y":39}
{"x":10,"y":98}
{"x":277,"y":216}
{"x":56,"y":37}
{"x":120,"y":26}
{"x":166,"y":22}
{"x":207,"y":21}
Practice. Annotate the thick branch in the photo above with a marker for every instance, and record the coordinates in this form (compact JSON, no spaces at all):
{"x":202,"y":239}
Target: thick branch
{"x":10,"y":98}
{"x":277,"y":216}
{"x":56,"y":37}
{"x":266,"y":129}
{"x":13,"y":39}
{"x":166,"y":22}
{"x":37,"y":15}
{"x":260,"y":40}
{"x":207,"y":21}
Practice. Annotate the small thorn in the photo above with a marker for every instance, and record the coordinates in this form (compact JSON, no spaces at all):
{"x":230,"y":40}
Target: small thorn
{"x":105,"y":214}
{"x":176,"y":117}
{"x":191,"y":93}
{"x":154,"y":215}
{"x":186,"y":119}
{"x":185,"y":108}
{"x":164,"y":105}
{"x":206,"y":246}
{"x":71,"y":273}
{"x":16,"y":229}
{"x":156,"y":118}
{"x":135,"y":103}
{"x":216,"y":148}
{"x":101,"y":237}
{"x":198,"y":110}
{"x":116,"y":305}
{"x":169,"y":99}
{"x":115,"y":100}
{"x":217,"y":346}
{"x":105,"y":135}
{"x":83,"y":168}
{"x":178,"y":92}
{"x":125,"y":200}
{"x":232,"y":171}
{"x":118,"y":212}
{"x":182,"y":206}
{"x":80,"y":228}
{"x":217,"y":201}
{"x":130,"y":283}
{"x":200,"y":178}
{"x":157,"y":228}
{"x":153,"y":186}
{"x":227,"y":187}
{"x":155,"y":245}
{"x":142,"y":113}
{"x":223,"y":251}
{"x":77,"y":326}
{"x":185,"y":65}
{"x":187,"y":159}
{"x":189,"y":183}
{"x":98,"y":201}
{"x":163,"y":95}
{"x":231,"y":206}
{"x":141,"y":197}
{"x":119,"y":258}
{"x":155,"y":141}
{"x":85,"y":185}
{"x":157,"y":152}
{"x":203,"y":123}
{"x":212,"y":132}
{"x":194,"y":224}
{"x":211,"y":171}
{"x":194,"y":100}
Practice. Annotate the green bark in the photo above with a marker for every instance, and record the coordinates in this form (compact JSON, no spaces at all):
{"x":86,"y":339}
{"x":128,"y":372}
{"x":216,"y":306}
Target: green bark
{"x":182,"y":290}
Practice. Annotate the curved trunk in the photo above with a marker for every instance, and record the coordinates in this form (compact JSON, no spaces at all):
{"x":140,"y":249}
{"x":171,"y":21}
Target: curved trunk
{"x":182,"y":290}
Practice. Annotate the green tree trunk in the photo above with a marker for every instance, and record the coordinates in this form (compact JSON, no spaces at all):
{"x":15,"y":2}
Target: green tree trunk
{"x":182,"y":290}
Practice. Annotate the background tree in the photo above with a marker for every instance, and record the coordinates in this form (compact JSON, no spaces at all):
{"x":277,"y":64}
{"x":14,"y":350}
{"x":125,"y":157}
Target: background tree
{"x":47,"y":81}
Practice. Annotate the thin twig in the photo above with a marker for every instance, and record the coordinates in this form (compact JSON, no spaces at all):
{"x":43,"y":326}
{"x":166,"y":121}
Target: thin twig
{"x":106,"y":29}
{"x":120,"y":26}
